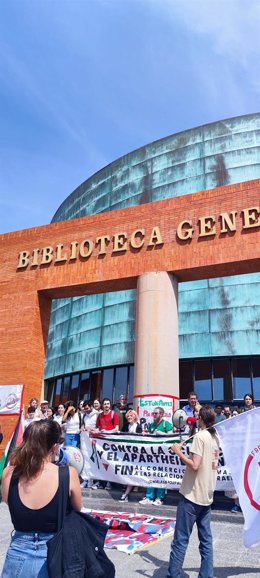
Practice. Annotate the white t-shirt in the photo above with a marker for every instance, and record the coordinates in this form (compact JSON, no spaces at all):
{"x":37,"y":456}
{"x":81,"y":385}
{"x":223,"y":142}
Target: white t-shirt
{"x":71,"y":426}
{"x":199,"y":486}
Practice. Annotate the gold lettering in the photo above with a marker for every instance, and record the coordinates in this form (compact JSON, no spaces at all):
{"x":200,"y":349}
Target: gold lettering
{"x":102,"y":241}
{"x":134,"y":241}
{"x":207,"y":226}
{"x":73,"y":248}
{"x":90,"y":245}
{"x":120,"y":242}
{"x":59,"y":257}
{"x":228,"y":220}
{"x":156,"y":238}
{"x":251,"y":217}
{"x":47,"y":255}
{"x":23,"y":259}
{"x":184,"y":233}
{"x":35,"y":256}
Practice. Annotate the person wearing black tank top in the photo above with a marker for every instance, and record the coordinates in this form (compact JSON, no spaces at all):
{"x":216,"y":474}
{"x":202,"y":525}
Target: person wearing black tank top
{"x":30,"y":487}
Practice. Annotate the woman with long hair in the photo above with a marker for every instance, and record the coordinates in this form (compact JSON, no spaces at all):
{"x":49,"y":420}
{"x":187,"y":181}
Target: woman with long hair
{"x":133,"y":426}
{"x":71,"y":424}
{"x":30,"y":487}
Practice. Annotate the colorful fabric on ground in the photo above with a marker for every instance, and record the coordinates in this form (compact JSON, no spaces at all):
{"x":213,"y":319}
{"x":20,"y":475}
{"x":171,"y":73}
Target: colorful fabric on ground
{"x":130,"y":533}
{"x":240,"y":442}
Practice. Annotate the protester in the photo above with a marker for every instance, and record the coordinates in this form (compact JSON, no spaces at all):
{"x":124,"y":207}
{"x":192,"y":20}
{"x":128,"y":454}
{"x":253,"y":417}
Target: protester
{"x":226,"y":411}
{"x":107,"y":421}
{"x":248,"y":402}
{"x":34,"y":402}
{"x":190,"y":406}
{"x":133,"y":427}
{"x":30,"y":486}
{"x":121,"y":409}
{"x":156,"y":496}
{"x":236,"y":411}
{"x":219,"y":413}
{"x":60,"y":413}
{"x":50,"y":413}
{"x":43,"y":414}
{"x":71,"y":423}
{"x":89,"y":420}
{"x":30,"y":416}
{"x":197,"y":491}
{"x":97,"y":405}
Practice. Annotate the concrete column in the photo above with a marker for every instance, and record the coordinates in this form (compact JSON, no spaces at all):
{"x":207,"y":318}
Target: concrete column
{"x":156,"y":347}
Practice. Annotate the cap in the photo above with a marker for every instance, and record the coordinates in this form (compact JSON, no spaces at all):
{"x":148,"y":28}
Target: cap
{"x":44,"y":401}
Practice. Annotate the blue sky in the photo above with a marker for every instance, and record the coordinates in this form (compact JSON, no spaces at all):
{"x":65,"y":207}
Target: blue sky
{"x":83,"y":82}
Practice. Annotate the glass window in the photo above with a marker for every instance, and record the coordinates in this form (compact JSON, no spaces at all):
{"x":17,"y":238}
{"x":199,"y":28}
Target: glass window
{"x":202,"y":381}
{"x":241,"y":377}
{"x":186,"y":379}
{"x":108,"y":383}
{"x":66,"y":387}
{"x":131,"y":385}
{"x":120,"y":382}
{"x":85,"y":385}
{"x":222,"y":387}
{"x":96,"y":380}
{"x":256,"y":377}
{"x":74,"y":388}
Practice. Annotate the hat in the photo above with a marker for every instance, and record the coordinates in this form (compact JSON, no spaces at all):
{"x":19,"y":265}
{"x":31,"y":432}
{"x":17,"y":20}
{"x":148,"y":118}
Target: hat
{"x":44,"y":401}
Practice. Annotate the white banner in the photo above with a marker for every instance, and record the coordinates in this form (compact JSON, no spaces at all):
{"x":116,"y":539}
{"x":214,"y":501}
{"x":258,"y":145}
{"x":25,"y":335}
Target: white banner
{"x":139,"y":461}
{"x":240,"y":440}
{"x":11,"y":399}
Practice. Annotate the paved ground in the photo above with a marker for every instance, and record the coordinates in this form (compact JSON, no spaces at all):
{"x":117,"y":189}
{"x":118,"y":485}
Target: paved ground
{"x":231,"y":558}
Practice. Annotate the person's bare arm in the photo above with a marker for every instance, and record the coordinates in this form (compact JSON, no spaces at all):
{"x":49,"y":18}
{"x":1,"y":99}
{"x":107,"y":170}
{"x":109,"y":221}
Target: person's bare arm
{"x":75,"y":490}
{"x":193,"y":461}
{"x":6,"y":478}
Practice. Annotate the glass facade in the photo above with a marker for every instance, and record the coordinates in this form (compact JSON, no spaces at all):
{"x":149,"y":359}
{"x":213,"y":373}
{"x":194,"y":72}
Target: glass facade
{"x":214,"y":380}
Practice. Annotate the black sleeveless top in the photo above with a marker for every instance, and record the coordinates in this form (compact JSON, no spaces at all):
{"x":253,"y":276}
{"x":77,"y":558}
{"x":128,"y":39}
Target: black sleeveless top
{"x":27,"y":520}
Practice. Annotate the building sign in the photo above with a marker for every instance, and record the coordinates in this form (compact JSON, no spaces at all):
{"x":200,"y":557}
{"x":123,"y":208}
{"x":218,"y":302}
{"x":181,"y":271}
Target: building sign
{"x":207,"y":226}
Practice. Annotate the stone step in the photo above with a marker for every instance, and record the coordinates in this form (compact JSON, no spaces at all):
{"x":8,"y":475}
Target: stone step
{"x":109,"y":500}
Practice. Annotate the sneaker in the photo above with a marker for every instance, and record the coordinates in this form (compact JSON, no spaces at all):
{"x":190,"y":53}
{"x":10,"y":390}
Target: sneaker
{"x":84,"y":484}
{"x":108,"y":486}
{"x":158,"y":502}
{"x":96,"y":486}
{"x":146,"y":501}
{"x":236,"y":508}
{"x":124,"y":498}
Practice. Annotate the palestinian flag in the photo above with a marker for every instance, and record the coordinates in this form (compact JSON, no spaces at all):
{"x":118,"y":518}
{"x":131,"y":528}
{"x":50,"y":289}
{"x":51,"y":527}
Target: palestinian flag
{"x":15,"y":440}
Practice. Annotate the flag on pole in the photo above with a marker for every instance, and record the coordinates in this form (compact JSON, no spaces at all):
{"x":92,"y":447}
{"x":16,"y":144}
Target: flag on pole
{"x":15,"y":440}
{"x":240,"y":443}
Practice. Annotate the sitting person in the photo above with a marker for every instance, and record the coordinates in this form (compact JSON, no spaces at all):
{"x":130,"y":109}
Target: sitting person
{"x":159,"y":426}
{"x":133,"y":427}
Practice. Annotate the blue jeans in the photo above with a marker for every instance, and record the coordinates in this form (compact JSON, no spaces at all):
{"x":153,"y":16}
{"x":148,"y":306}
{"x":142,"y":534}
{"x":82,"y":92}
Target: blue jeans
{"x":187,"y":514}
{"x":72,"y":440}
{"x":153,"y":493}
{"x":27,"y":556}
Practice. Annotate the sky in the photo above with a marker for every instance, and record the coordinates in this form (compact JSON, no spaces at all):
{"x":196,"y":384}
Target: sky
{"x":83,"y":82}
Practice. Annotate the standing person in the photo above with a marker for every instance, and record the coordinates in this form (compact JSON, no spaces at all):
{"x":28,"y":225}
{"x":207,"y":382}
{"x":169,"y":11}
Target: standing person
{"x":192,"y":402}
{"x":30,"y":416}
{"x":71,"y":423}
{"x":226,"y":411}
{"x":197,"y":491}
{"x":218,"y":413}
{"x":60,"y":413}
{"x":44,"y":406}
{"x":248,"y":402}
{"x":133,"y":427}
{"x":88,"y":424}
{"x":159,"y":426}
{"x":107,"y":421}
{"x":97,"y":405}
{"x":121,"y":409}
{"x":30,"y":487}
